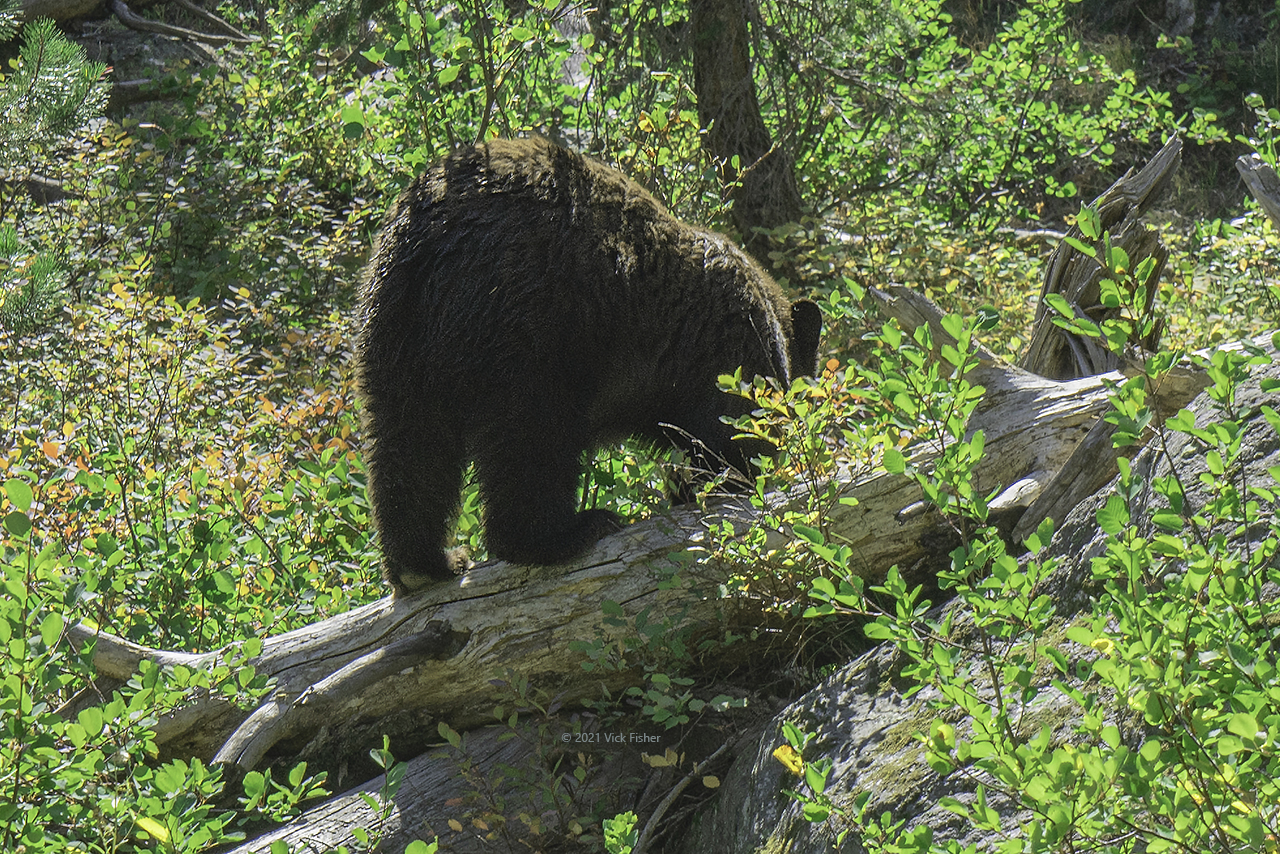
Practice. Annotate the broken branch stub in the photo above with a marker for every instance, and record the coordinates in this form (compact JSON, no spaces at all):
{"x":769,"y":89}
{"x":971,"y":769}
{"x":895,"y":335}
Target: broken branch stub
{"x":1058,"y":354}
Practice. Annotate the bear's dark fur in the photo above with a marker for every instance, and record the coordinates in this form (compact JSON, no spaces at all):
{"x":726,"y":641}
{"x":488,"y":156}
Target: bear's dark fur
{"x":524,"y":305}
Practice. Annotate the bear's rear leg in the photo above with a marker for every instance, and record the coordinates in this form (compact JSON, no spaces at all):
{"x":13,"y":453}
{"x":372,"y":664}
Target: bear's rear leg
{"x":530,"y":492}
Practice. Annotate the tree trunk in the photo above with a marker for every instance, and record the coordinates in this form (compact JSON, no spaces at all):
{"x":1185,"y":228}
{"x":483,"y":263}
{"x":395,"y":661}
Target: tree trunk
{"x":59,"y":10}
{"x":768,"y":196}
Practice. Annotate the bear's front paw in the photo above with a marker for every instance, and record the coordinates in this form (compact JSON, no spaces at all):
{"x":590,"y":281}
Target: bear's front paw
{"x":458,"y":559}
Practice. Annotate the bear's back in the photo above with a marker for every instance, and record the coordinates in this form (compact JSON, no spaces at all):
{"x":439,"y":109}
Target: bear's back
{"x":561,"y":270}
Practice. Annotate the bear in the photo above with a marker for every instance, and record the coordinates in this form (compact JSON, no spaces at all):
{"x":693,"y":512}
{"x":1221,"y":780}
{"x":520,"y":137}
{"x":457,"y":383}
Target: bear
{"x":525,"y":305}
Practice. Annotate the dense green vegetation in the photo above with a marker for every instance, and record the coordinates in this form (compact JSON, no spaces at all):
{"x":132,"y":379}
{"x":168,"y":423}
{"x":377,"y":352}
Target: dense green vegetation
{"x":179,"y":436}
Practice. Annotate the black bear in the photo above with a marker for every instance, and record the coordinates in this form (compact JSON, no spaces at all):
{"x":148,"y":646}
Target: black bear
{"x":524,"y":305}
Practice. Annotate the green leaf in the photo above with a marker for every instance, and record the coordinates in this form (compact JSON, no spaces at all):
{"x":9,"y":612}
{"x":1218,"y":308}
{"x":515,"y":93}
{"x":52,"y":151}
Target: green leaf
{"x":155,"y":829}
{"x":1081,"y":247}
{"x":449,"y":734}
{"x":1082,"y":635}
{"x":92,"y":720}
{"x":19,"y":493}
{"x":1089,"y":222}
{"x":352,"y":115}
{"x":1114,"y":517}
{"x":877,"y":631}
{"x":976,"y":444}
{"x":815,"y":776}
{"x":1244,"y":725}
{"x":953,"y":325}
{"x":815,"y":813}
{"x":1060,"y":304}
{"x":822,"y":588}
{"x":894,"y":461}
{"x":224,"y":582}
{"x":808,"y":534}
{"x":448,"y":74}
{"x":51,"y":629}
{"x":17,"y":523}
{"x":255,"y":786}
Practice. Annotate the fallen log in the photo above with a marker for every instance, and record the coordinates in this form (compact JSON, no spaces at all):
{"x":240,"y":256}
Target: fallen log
{"x":440,"y":650}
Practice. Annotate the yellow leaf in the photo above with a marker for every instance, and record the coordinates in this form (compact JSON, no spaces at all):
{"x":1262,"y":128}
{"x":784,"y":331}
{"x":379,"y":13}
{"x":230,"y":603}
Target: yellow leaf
{"x":786,"y":754}
{"x":654,"y":761}
{"x":711,"y":781}
{"x":455,"y":825}
{"x":1106,"y":646}
{"x":155,"y":829}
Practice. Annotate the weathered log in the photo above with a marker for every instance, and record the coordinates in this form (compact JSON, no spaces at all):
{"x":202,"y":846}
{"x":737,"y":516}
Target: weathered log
{"x":431,"y":788}
{"x":523,"y":613}
{"x":869,"y":737}
{"x":1262,"y":182}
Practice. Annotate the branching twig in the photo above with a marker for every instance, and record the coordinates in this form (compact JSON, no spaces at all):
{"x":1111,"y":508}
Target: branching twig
{"x":206,"y":15}
{"x":652,"y":824}
{"x":146,"y":25}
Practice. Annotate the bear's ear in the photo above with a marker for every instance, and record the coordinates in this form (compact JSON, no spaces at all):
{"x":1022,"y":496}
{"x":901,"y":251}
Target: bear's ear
{"x":806,"y":329}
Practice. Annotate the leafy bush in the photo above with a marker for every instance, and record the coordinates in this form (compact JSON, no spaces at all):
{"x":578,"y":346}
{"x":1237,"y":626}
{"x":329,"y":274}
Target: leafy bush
{"x":1171,"y":674}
